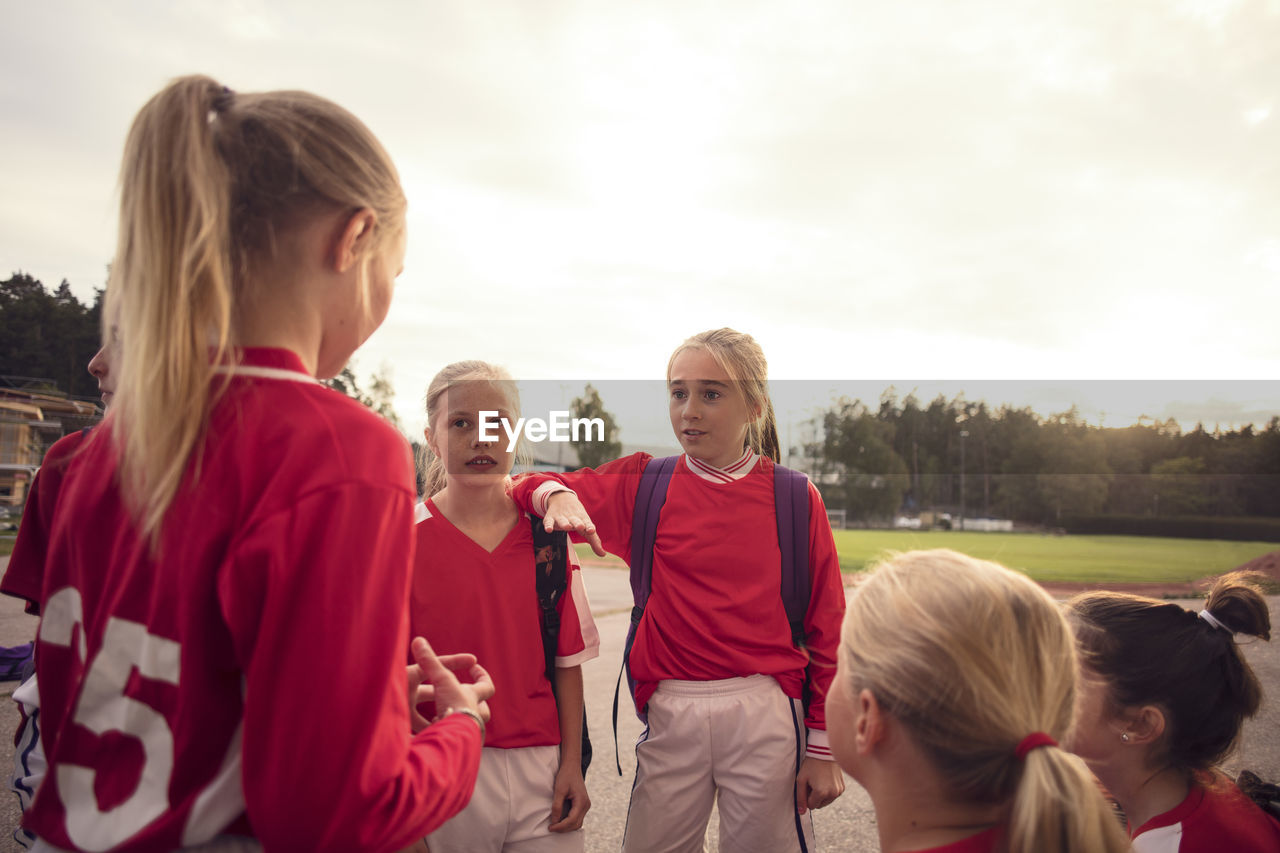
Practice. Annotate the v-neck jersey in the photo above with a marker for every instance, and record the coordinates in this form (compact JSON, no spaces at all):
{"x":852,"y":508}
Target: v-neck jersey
{"x":466,"y":599}
{"x":430,"y":510}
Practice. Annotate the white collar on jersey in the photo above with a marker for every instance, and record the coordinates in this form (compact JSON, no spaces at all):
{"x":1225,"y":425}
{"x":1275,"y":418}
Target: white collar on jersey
{"x":734,"y":471}
{"x":421,"y":512}
{"x":266,"y":373}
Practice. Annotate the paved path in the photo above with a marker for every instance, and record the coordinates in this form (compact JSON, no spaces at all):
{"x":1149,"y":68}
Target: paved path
{"x":846,"y":825}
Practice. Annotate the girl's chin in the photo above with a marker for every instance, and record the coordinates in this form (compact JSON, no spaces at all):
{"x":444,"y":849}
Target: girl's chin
{"x":481,"y":475}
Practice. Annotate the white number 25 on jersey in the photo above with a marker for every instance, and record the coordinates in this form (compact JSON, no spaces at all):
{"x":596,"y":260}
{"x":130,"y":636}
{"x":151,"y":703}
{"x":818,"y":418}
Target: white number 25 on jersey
{"x":103,"y":708}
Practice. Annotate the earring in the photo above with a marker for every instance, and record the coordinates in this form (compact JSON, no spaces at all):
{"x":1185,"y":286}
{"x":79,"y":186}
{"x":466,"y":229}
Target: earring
{"x":1124,"y":736}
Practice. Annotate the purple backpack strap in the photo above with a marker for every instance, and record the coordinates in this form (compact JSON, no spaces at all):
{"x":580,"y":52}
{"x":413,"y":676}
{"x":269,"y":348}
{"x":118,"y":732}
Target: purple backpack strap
{"x":650,"y":496}
{"x":791,"y":501}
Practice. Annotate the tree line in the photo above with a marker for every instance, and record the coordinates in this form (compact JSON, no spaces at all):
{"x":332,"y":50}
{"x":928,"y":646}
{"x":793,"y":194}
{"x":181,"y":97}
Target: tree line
{"x":48,"y":336}
{"x":959,"y":455}
{"x":955,"y":455}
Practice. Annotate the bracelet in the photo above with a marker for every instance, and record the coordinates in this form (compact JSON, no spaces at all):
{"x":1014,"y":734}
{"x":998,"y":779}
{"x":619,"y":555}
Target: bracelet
{"x":470,"y":713}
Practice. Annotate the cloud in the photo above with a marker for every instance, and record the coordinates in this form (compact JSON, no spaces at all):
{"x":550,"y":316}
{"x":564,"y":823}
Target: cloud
{"x":984,"y":189}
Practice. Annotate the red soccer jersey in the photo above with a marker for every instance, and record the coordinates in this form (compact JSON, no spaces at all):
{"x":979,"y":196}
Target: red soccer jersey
{"x":24,"y":576}
{"x":987,"y":841}
{"x":249,"y":677}
{"x":715,"y":607}
{"x":1214,"y":818}
{"x":467,"y":599}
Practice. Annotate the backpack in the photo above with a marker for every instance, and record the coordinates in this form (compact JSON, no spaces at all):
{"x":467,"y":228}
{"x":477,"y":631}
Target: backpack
{"x":791,"y":503}
{"x":551,"y":561}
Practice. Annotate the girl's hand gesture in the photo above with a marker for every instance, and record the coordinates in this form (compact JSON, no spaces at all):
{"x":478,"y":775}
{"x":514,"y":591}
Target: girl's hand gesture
{"x":570,"y":803}
{"x":432,"y":679}
{"x":818,"y":784}
{"x":566,"y":512}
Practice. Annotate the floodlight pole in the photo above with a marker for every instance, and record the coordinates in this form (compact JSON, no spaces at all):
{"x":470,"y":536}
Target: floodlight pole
{"x":964,"y":433}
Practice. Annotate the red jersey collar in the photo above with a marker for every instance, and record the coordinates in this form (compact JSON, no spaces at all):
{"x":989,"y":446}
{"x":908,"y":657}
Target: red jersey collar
{"x":1178,"y":814}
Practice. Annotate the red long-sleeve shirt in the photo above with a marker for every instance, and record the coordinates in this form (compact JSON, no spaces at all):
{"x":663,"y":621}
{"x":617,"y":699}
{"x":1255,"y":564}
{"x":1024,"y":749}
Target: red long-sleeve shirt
{"x":24,"y":575}
{"x":249,"y":678}
{"x":715,"y":608}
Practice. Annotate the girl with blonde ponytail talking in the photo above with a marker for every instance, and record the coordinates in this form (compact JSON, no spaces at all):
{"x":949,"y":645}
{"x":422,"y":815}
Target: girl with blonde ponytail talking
{"x":223,"y":618}
{"x":956,"y":684}
{"x":731,"y":689}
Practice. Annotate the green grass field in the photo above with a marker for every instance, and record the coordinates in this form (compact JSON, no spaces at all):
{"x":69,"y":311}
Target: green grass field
{"x":1069,"y":559}
{"x":1074,"y":559}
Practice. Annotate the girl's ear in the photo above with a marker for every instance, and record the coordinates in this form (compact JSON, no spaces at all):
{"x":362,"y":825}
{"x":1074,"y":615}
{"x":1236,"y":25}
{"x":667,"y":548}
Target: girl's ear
{"x":1142,"y":725}
{"x":429,"y":435}
{"x":354,"y":235}
{"x":870,"y":729}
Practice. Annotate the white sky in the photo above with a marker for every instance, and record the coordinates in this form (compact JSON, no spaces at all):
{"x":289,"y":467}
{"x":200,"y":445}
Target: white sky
{"x":919,"y":194}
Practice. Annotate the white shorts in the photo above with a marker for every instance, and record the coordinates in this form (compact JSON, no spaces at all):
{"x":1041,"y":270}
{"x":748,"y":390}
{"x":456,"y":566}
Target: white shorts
{"x":220,"y":844}
{"x":737,"y":741}
{"x":510,"y":809}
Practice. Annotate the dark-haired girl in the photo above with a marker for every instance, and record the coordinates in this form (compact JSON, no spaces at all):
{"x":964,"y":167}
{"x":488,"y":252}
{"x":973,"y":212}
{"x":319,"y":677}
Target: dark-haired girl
{"x":1164,"y":693}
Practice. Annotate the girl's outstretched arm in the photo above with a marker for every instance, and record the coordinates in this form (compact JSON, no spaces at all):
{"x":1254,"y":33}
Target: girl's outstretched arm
{"x":566,"y":512}
{"x":561,"y":497}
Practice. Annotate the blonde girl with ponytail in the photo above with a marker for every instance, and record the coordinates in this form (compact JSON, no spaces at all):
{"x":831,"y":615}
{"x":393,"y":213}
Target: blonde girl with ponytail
{"x":714,"y":653}
{"x":236,"y":535}
{"x":956,"y":686}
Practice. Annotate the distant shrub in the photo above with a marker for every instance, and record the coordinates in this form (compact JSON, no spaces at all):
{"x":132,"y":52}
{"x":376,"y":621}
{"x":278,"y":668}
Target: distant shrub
{"x":1235,"y":529}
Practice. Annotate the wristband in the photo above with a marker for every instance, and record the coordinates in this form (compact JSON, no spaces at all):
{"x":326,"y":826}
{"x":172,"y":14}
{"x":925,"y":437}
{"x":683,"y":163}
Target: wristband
{"x":470,"y":713}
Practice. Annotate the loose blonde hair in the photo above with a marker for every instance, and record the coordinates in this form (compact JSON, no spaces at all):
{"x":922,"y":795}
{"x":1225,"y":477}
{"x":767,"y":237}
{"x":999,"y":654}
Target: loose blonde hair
{"x":971,"y":658}
{"x":743,"y":360}
{"x":462,"y":371}
{"x":210,"y":181}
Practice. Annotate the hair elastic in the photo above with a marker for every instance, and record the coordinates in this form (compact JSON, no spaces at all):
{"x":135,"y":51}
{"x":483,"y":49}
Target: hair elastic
{"x":1035,"y":740}
{"x":1212,"y":620}
{"x":222,"y":101}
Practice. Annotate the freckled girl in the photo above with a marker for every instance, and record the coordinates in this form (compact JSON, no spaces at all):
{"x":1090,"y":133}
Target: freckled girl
{"x":474,"y":589}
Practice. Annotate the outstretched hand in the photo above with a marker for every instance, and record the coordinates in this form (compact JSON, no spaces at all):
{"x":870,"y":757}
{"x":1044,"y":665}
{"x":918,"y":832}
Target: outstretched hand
{"x":566,"y":512}
{"x":432,"y":679}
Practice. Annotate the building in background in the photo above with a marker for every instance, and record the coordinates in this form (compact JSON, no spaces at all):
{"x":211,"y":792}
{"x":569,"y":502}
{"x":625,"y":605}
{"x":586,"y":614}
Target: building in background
{"x":32,"y":417}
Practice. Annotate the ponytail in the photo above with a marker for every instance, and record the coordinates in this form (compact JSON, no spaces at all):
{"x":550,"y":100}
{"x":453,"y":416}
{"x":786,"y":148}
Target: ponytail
{"x":1057,"y":808}
{"x":210,"y":180}
{"x":170,"y":290}
{"x":766,"y":435}
{"x":743,"y":360}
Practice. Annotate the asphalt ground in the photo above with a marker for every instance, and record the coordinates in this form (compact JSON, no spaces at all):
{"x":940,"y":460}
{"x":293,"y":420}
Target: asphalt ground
{"x":846,"y":825}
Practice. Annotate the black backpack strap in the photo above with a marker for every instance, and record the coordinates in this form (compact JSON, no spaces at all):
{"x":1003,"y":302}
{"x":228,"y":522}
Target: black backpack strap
{"x":791,"y":502}
{"x":651,"y":494}
{"x":551,"y":566}
{"x":551,"y":558}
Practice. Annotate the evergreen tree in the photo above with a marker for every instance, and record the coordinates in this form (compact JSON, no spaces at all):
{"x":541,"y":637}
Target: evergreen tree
{"x":594,"y":453}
